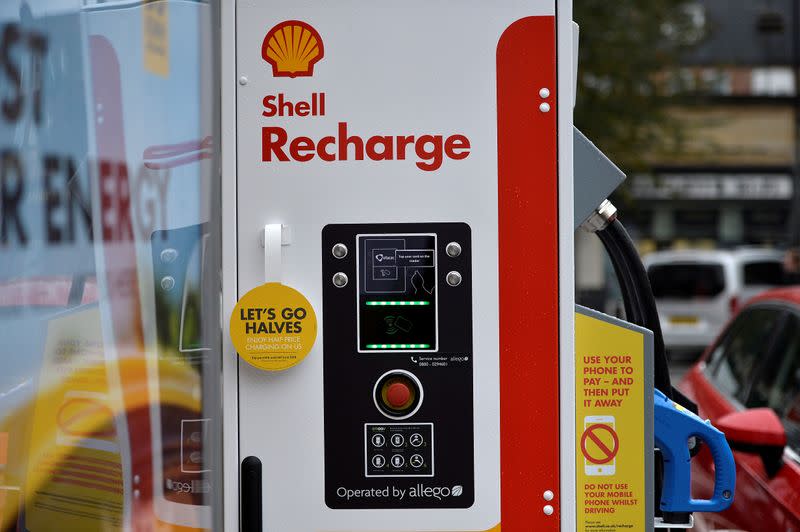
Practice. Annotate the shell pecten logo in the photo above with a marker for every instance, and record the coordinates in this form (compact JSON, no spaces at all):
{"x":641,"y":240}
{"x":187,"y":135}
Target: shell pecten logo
{"x":292,"y":48}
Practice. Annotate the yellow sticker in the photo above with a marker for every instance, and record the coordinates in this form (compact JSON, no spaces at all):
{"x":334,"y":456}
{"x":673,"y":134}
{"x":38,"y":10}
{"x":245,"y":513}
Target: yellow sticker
{"x":273,"y":327}
{"x":609,"y":426}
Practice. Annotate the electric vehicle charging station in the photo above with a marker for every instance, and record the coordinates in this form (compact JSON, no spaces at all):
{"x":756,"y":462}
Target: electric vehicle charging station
{"x":399,"y":189}
{"x":438,"y":139}
{"x":404,"y":179}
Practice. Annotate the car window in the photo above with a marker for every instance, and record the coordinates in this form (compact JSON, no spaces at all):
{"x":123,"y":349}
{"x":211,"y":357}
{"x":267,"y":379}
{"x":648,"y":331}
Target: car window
{"x":791,"y":423}
{"x":779,"y":379}
{"x":763,"y":273}
{"x":746,"y":343}
{"x":686,"y":281}
{"x":779,"y":385}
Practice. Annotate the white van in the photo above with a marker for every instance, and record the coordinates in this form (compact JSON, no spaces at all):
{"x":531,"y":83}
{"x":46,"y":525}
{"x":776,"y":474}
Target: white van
{"x":698,"y":291}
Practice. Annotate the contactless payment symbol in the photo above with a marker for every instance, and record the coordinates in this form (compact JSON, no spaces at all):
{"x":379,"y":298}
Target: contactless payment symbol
{"x":599,"y":445}
{"x":292,"y":48}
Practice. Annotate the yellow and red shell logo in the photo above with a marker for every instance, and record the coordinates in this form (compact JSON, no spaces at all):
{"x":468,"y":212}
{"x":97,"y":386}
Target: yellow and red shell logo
{"x":292,"y":48}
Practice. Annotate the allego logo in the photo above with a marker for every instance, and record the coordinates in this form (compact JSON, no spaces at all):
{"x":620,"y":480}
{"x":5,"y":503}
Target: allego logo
{"x":418,"y":491}
{"x":292,"y":48}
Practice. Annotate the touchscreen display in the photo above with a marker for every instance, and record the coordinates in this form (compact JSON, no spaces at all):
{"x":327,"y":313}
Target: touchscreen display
{"x":397,"y":304}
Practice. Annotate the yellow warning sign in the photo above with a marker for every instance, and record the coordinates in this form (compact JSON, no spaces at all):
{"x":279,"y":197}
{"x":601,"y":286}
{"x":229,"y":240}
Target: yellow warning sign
{"x":155,"y":29}
{"x":610,"y":426}
{"x":273,"y":327}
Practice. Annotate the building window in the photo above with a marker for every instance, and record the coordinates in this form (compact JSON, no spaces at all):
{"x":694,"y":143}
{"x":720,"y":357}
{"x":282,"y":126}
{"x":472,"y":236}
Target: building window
{"x":772,"y":81}
{"x":717,"y":81}
{"x":766,"y":224}
{"x":696,"y":224}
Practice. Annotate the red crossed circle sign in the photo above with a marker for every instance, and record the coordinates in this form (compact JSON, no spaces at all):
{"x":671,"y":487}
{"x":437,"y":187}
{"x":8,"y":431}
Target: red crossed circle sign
{"x":603,"y":454}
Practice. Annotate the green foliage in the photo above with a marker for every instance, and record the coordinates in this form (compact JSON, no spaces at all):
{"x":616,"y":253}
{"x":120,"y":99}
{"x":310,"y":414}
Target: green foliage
{"x":628,"y":75}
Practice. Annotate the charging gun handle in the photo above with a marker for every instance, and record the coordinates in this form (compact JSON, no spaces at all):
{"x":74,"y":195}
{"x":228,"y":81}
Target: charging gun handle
{"x":674,"y":425}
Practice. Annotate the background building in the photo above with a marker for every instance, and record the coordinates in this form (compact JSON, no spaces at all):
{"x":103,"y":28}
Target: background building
{"x":728,"y":181}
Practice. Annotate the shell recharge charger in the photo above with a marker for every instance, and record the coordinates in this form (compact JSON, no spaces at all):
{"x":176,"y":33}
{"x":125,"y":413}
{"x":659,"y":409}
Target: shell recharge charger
{"x":406,"y":168}
{"x":411,"y":163}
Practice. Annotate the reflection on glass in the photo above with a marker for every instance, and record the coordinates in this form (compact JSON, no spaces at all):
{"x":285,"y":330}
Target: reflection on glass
{"x":108,"y":312}
{"x":183,"y":342}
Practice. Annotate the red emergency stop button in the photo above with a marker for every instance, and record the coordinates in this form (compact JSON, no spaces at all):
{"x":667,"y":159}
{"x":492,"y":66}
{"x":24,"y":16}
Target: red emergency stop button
{"x":398,"y":394}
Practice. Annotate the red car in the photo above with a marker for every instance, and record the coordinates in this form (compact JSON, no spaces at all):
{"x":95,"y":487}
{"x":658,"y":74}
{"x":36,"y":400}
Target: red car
{"x":748,"y":383}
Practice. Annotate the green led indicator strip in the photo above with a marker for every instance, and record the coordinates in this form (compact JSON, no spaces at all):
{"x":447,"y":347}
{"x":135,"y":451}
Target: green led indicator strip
{"x":397,"y":303}
{"x":398,"y":346}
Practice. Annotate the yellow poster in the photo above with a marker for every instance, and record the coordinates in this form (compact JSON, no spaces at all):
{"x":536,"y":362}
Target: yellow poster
{"x":611,"y":445}
{"x":155,"y":36}
{"x":75,"y":483}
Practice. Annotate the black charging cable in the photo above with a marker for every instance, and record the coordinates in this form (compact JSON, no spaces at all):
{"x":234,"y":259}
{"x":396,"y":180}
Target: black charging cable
{"x":640,"y":309}
{"x":637,"y":294}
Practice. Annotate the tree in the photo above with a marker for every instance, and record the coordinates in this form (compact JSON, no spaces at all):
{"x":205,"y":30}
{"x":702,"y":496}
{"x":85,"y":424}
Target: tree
{"x":629,"y":75}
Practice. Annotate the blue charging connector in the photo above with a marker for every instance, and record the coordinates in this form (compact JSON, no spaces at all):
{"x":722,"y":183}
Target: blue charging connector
{"x":674,"y":425}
